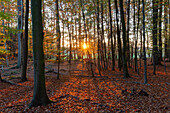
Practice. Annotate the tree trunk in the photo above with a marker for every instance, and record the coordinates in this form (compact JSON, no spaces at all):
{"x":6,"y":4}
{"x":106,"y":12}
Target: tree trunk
{"x":166,"y":27}
{"x":118,"y":39}
{"x":125,"y":69}
{"x":63,"y":37}
{"x":98,"y":36}
{"x":144,"y":52}
{"x":160,"y":30}
{"x":128,"y":28}
{"x":155,"y":48}
{"x":79,"y":55}
{"x":25,"y":46}
{"x":39,"y":96}
{"x":19,"y":4}
{"x":58,"y":37}
{"x":111,"y":37}
{"x":70,"y":54}
{"x":84,"y":20}
{"x":103,"y":44}
{"x":136,"y":39}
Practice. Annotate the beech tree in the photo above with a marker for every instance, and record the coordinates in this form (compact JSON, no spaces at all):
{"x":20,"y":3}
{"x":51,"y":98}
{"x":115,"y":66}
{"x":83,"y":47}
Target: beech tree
{"x":125,"y":69}
{"x":144,"y":52}
{"x":39,"y":95}
{"x":110,"y":15}
{"x":118,"y":38}
{"x":20,"y":12}
{"x":58,"y":36}
{"x":25,"y":46}
{"x":155,"y":23}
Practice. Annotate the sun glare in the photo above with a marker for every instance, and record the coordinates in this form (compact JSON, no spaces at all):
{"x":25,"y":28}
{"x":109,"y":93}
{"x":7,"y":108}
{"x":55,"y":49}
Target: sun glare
{"x":84,"y":46}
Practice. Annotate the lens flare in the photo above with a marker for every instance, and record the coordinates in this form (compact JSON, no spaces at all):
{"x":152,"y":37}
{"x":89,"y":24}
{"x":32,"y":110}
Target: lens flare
{"x":84,"y":46}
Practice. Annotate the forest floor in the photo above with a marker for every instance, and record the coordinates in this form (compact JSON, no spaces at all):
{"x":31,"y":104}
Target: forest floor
{"x":78,"y":91}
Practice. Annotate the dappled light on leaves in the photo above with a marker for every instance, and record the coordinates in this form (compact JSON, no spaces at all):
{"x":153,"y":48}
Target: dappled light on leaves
{"x":89,"y":94}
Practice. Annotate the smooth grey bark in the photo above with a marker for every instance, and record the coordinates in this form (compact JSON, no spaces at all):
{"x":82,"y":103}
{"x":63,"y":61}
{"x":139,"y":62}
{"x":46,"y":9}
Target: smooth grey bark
{"x":19,"y":4}
{"x":39,"y":95}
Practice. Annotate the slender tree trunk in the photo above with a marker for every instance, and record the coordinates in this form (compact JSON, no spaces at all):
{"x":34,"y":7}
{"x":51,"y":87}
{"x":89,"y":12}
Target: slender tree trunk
{"x":125,"y":69}
{"x":144,"y":52}
{"x":160,"y":30}
{"x":76,"y":38}
{"x":103,"y":44}
{"x":141,"y":45}
{"x":25,"y":46}
{"x":111,"y":37}
{"x":72,"y":36}
{"x":166,"y":27}
{"x":128,"y":28}
{"x":169,"y":30}
{"x":39,"y":96}
{"x":94,"y":43}
{"x":155,"y":48}
{"x":84,"y":20}
{"x":98,"y":36}
{"x":58,"y":36}
{"x":63,"y":37}
{"x":70,"y":55}
{"x":19,"y":5}
{"x":136,"y":38}
{"x":79,"y":55}
{"x":118,"y":38}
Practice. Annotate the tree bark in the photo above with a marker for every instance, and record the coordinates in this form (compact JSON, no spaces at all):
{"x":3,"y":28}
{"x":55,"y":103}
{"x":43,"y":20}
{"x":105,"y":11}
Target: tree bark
{"x":166,"y":27}
{"x":98,"y":36}
{"x":136,"y":38}
{"x":25,"y":46}
{"x":125,"y":69}
{"x":128,"y":28}
{"x":39,"y":95}
{"x":160,"y":30}
{"x":111,"y":37}
{"x":19,"y":5}
{"x":144,"y":52}
{"x":58,"y":37}
{"x":118,"y":39}
{"x":155,"y":23}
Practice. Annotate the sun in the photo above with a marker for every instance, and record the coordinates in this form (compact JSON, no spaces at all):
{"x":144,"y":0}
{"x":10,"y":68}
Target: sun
{"x":84,"y":46}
